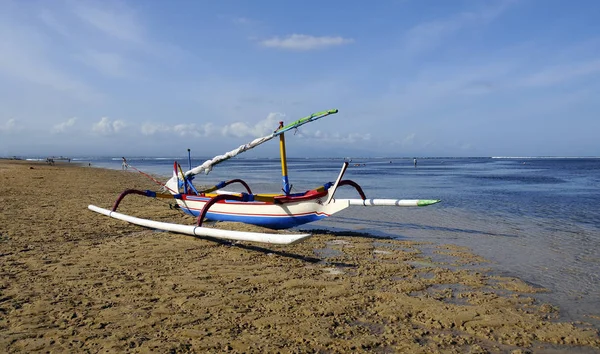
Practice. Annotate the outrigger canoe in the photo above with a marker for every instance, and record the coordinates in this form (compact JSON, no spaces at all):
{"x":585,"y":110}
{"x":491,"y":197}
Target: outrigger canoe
{"x":274,"y":211}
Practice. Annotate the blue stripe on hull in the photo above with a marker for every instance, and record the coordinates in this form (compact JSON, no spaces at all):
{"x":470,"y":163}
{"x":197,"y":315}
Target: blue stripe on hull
{"x":272,"y":222}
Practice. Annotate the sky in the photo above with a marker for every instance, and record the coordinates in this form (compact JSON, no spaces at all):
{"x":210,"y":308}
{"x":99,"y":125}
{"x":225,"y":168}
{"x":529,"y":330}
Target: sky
{"x":410,"y":78}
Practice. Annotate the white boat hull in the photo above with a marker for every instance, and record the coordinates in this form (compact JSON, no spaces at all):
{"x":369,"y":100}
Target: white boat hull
{"x":271,"y":215}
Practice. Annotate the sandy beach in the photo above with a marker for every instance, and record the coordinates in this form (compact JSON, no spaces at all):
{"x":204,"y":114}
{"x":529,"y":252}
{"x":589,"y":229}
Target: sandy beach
{"x":75,"y":281}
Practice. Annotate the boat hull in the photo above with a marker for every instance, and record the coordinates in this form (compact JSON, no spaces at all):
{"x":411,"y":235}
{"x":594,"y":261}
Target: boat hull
{"x":271,"y":215}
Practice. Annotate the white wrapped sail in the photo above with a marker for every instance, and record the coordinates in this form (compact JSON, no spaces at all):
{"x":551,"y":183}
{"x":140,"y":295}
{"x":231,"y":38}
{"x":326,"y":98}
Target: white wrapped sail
{"x":207,"y":166}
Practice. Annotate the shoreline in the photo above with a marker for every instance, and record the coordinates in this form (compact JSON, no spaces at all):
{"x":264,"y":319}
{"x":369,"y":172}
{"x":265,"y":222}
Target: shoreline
{"x":75,"y":280}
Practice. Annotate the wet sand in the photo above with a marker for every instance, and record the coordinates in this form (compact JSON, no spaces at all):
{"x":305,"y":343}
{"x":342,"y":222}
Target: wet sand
{"x":75,"y":281}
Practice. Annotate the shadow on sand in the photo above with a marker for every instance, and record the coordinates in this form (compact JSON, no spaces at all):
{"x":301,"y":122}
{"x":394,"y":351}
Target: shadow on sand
{"x":280,"y":253}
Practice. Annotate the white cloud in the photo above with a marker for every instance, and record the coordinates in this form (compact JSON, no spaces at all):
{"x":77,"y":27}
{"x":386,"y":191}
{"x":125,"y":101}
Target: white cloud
{"x":243,"y":129}
{"x":264,"y":127}
{"x":118,"y":125}
{"x":334,"y":137}
{"x":271,"y":122}
{"x":152,"y":129}
{"x":237,"y":129}
{"x":62,"y":127}
{"x":10,"y":125}
{"x":305,"y":42}
{"x":193,"y":130}
{"x":107,"y":127}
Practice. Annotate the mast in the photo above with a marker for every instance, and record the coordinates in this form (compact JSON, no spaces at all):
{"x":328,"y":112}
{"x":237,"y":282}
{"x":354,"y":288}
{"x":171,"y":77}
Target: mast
{"x":284,"y":173}
{"x":189,"y":159}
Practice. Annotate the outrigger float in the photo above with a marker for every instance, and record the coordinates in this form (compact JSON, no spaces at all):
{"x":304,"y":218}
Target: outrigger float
{"x":275,"y":211}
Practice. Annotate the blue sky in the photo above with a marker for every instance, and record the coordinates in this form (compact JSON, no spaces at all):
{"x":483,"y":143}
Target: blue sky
{"x":410,"y":78}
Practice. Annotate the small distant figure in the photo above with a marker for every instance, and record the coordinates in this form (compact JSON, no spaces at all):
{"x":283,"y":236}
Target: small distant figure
{"x":415,"y":162}
{"x":124,"y":164}
{"x":89,"y":164}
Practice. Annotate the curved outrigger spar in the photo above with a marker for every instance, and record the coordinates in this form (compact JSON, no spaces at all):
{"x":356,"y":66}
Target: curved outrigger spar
{"x":275,"y":211}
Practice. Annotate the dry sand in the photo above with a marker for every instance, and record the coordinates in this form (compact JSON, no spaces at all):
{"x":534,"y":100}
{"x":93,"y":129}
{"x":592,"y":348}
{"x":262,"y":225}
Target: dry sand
{"x":75,"y":281}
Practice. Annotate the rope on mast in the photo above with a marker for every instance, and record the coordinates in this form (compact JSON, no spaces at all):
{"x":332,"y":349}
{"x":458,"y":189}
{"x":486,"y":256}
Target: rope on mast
{"x":154,"y":179}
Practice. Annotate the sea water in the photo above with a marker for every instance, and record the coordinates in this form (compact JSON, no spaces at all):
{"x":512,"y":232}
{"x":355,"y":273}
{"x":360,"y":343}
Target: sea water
{"x":533,"y":218}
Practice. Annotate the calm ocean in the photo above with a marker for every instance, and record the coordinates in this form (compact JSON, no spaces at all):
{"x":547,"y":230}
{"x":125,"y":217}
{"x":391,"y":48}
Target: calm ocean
{"x":534,"y":218}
